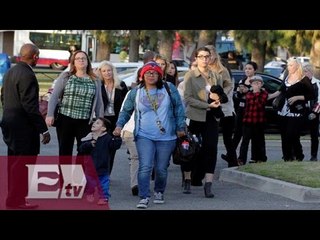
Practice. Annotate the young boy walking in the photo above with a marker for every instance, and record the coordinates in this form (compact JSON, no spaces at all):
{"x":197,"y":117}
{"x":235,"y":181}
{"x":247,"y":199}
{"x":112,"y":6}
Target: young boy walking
{"x":99,"y":144}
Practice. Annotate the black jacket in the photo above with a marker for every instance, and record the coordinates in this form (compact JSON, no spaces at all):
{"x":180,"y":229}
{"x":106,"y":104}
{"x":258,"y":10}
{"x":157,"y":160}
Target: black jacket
{"x":119,"y":96}
{"x":22,"y":122}
{"x":303,"y":87}
{"x":100,"y":153}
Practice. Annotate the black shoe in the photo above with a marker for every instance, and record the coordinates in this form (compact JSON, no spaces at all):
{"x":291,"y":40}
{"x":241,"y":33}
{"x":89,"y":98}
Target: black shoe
{"x":233,"y":164}
{"x":135,"y":190}
{"x":207,"y":190}
{"x":313,"y":158}
{"x":186,"y":189}
{"x":225,"y":157}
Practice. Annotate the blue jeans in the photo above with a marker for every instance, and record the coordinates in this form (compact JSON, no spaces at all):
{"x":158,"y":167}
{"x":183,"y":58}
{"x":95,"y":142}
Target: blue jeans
{"x":102,"y":183}
{"x":153,"y":154}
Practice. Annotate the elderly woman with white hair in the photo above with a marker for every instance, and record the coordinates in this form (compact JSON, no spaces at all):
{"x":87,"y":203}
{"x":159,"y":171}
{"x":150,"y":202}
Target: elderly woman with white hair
{"x":113,"y":92}
{"x":314,"y":110}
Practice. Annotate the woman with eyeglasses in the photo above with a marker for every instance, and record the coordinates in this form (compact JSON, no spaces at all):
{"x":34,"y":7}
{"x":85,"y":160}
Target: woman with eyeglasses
{"x":203,"y":123}
{"x":79,"y":94}
{"x":159,"y":118}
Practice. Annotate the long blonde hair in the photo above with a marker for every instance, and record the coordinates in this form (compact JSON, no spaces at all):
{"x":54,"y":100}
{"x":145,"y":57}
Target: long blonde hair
{"x":215,"y":65}
{"x":299,"y":70}
{"x":115,"y":78}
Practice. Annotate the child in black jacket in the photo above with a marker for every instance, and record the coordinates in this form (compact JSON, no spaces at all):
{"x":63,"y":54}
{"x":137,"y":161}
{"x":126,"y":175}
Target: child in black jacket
{"x":99,"y":144}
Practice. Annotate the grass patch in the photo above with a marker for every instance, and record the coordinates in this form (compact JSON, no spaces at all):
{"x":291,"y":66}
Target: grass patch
{"x":45,"y":78}
{"x":300,"y":173}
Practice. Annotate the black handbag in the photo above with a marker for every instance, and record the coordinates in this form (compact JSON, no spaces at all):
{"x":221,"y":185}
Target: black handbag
{"x":278,"y":102}
{"x":186,"y":149}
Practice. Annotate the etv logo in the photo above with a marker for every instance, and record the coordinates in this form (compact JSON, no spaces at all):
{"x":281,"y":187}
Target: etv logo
{"x":74,"y":181}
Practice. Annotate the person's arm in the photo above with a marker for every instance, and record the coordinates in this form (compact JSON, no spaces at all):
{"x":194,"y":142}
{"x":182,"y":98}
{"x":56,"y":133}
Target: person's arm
{"x":227,"y":82}
{"x":115,"y":143}
{"x":126,"y":111}
{"x":86,"y":147}
{"x":273,"y":95}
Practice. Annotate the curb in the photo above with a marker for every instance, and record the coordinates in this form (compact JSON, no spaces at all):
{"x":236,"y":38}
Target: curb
{"x":289,"y":190}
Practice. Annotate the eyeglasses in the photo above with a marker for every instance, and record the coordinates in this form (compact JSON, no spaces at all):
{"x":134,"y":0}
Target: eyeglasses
{"x":149,"y":74}
{"x":80,"y":58}
{"x":204,"y":57}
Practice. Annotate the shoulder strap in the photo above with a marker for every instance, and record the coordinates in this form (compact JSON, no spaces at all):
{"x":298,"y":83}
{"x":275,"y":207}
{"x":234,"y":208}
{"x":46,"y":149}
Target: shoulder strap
{"x":169,"y":93}
{"x":167,"y":88}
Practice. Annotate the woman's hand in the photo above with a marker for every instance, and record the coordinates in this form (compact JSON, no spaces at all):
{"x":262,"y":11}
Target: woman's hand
{"x":181,"y":134}
{"x":117,"y":131}
{"x":215,"y":104}
{"x":49,"y":121}
{"x":295,"y":98}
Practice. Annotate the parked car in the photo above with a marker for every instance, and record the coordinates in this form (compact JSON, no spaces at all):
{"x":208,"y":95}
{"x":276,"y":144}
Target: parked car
{"x":276,"y":63}
{"x":271,"y":84}
{"x":274,"y":71}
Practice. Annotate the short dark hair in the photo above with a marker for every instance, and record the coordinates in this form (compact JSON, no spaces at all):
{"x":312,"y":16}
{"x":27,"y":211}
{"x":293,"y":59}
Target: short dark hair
{"x":106,"y":122}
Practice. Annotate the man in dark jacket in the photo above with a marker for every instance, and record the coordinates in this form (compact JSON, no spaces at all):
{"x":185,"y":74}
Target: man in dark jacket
{"x":22,"y":124}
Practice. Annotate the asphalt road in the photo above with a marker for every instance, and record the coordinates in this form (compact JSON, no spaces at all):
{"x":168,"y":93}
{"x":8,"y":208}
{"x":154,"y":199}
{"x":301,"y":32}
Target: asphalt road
{"x":228,"y":196}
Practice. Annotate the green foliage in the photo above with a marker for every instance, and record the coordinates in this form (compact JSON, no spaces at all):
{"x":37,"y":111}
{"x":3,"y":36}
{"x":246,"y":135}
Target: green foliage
{"x":299,"y":42}
{"x":123,"y":55}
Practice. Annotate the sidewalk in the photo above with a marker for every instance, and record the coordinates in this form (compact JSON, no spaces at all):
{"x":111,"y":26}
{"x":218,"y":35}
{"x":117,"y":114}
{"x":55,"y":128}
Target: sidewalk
{"x":269,"y":185}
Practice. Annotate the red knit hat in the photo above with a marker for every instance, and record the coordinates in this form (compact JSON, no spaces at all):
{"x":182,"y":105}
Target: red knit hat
{"x":151,"y":66}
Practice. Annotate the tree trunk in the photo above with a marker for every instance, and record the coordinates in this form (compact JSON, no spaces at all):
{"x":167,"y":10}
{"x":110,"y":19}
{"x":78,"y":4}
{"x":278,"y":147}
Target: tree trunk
{"x":315,"y":58}
{"x":258,"y":56}
{"x":166,"y":43}
{"x":134,"y":46}
{"x":103,"y":52}
{"x":207,"y":37}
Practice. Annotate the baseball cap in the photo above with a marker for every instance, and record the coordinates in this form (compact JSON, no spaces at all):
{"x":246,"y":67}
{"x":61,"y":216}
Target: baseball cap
{"x":256,"y":78}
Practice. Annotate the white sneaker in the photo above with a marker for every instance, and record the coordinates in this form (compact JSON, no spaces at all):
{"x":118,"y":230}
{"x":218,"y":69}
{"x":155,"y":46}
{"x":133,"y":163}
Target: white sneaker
{"x":143,"y":203}
{"x":158,"y":198}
